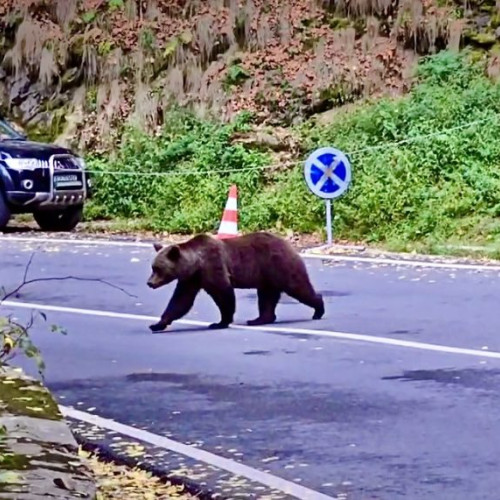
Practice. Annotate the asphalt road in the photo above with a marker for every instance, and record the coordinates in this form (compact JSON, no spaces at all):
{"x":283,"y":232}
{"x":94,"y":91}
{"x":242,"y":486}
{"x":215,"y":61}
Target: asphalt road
{"x":340,"y":416}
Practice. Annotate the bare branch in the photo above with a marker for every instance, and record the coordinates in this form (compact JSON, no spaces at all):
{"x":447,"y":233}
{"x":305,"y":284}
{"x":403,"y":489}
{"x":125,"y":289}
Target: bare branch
{"x":26,"y":281}
{"x":27,"y":268}
{"x":66,"y":278}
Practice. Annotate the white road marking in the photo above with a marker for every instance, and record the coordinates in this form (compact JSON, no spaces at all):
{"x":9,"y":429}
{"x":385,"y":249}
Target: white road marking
{"x":82,"y":241}
{"x":304,"y":255}
{"x":402,"y":262}
{"x":357,"y":337}
{"x":236,"y":468}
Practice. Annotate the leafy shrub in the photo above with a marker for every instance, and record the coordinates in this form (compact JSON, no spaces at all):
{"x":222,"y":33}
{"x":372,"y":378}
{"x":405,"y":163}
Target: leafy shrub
{"x":433,"y":188}
{"x":197,"y":163}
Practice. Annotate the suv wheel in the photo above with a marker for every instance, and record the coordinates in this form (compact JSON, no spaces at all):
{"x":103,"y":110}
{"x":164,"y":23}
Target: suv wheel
{"x":59,"y":220}
{"x":4,"y":212}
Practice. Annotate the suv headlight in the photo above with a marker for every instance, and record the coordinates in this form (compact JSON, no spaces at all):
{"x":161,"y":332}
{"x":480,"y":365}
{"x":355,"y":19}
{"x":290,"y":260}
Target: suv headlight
{"x":25,"y":163}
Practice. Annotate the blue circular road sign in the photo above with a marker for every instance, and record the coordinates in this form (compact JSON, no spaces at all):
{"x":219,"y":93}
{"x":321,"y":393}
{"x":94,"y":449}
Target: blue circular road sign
{"x":327,"y":172}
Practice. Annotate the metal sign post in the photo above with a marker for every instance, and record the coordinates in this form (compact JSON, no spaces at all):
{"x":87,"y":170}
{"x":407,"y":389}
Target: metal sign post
{"x":329,"y":228}
{"x":327,"y":173}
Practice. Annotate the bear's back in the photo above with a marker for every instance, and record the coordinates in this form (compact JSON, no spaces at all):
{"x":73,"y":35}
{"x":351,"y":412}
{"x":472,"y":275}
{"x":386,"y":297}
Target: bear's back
{"x":260,"y":259}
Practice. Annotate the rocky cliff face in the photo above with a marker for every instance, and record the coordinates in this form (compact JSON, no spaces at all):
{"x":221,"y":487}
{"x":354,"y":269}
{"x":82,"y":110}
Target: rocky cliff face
{"x":77,"y":70}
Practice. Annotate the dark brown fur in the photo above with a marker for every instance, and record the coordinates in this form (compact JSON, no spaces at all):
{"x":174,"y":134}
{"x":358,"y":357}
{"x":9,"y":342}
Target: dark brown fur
{"x":260,"y":260}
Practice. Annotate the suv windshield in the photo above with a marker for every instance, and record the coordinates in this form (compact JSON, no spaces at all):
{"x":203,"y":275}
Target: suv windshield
{"x":8,"y":132}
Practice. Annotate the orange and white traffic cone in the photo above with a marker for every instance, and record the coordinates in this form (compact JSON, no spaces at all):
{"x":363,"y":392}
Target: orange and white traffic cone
{"x":229,"y":224}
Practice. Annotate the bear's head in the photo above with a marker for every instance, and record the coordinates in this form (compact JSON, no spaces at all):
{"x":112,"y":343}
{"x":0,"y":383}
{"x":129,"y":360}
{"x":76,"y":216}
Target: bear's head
{"x":170,"y":263}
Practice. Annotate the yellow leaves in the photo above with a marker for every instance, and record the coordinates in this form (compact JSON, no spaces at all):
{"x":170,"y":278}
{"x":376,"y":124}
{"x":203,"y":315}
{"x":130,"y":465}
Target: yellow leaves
{"x":35,"y":409}
{"x":173,"y":44}
{"x":134,"y":451}
{"x":118,"y":482}
{"x":9,"y":477}
{"x":186,"y":37}
{"x":8,"y":345}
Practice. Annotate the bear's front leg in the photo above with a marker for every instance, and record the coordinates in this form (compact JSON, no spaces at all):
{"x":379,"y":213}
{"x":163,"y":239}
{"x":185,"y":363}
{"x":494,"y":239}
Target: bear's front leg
{"x":226,"y":302}
{"x":180,"y":304}
{"x":159,"y":327}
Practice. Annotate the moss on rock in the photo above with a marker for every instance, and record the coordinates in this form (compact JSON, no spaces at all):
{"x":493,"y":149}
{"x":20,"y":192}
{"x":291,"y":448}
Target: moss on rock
{"x":26,"y":398}
{"x":38,"y":454}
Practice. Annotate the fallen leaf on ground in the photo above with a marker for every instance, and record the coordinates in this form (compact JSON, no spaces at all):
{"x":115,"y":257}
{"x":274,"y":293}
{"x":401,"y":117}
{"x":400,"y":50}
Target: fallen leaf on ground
{"x":116,"y":482}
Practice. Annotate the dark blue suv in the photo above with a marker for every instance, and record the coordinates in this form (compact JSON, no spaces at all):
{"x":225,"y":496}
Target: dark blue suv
{"x":43,"y":179}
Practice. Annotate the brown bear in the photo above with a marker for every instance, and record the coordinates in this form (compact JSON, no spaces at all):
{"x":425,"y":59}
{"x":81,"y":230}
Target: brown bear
{"x":258,"y":260}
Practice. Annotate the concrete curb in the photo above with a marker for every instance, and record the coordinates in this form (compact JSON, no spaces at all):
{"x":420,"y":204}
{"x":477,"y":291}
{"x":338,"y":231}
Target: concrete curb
{"x":38,"y":451}
{"x":205,"y":481}
{"x":335,"y":253}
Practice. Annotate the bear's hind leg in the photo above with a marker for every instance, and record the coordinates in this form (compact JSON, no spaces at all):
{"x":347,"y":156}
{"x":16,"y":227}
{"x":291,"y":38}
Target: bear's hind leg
{"x":226,"y":302}
{"x":309,"y":298}
{"x":268,"y":300}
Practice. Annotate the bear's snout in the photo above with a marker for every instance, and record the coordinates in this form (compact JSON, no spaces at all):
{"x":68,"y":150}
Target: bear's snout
{"x":154,"y":284}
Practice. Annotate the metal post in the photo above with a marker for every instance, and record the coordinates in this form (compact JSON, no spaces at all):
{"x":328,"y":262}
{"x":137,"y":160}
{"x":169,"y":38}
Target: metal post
{"x":329,"y":221}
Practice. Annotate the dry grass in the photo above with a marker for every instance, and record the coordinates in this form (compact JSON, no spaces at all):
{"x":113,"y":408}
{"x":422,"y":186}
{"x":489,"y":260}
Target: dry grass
{"x":206,"y":36}
{"x":112,"y":65}
{"x":73,"y":119}
{"x":146,"y":103}
{"x":193,"y":76}
{"x":426,"y":31}
{"x":173,"y":89}
{"x":322,"y":71}
{"x":285,"y":25}
{"x":346,"y":38}
{"x":26,"y":54}
{"x":376,"y":80}
{"x":108,"y":102}
{"x":131,"y":10}
{"x":493,"y":68}
{"x":152,"y":11}
{"x":217,"y":99}
{"x":138,"y":63}
{"x":264,"y":33}
{"x":90,"y":63}
{"x":48,"y":69}
{"x":228,"y":29}
{"x":372,"y":30}
{"x":247,"y":17}
{"x":414,"y":9}
{"x":102,"y":96}
{"x":66,"y":11}
{"x":115,"y":93}
{"x":357,"y":8}
{"x":191,"y":7}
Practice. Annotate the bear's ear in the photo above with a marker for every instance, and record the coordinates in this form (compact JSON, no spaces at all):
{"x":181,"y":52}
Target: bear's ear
{"x":157,"y":246}
{"x":174,"y":252}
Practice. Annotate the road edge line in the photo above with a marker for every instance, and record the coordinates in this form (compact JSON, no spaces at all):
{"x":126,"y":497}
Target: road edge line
{"x":353,"y":337}
{"x":307,"y":254}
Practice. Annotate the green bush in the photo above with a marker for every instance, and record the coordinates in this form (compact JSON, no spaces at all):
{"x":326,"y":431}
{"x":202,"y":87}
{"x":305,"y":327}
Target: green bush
{"x":430,"y":188}
{"x":197,"y":162}
{"x":406,"y":188}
